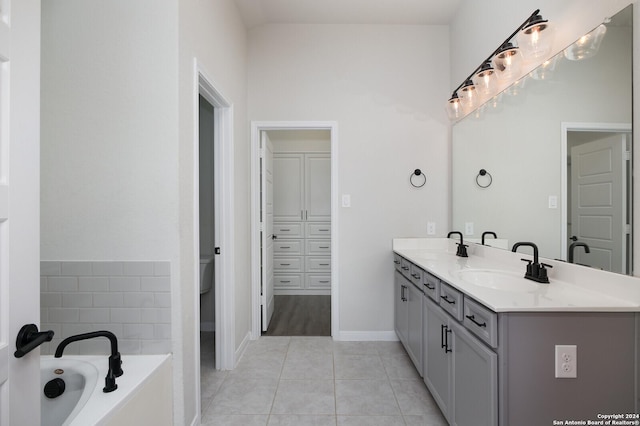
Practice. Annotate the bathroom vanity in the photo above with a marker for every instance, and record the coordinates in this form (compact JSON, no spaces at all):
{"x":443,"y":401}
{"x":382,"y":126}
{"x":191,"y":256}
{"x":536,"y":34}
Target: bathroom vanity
{"x":486,"y":340}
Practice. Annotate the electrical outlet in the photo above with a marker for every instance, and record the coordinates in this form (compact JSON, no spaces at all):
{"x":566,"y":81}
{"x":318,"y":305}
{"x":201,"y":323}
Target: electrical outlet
{"x":431,"y":228}
{"x":566,"y":361}
{"x":468,"y":228}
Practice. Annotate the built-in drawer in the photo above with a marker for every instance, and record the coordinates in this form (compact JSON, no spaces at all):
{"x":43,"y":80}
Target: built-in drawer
{"x":287,"y":230}
{"x":416,"y":275}
{"x":318,"y":247}
{"x":318,"y":281}
{"x":405,"y":268}
{"x":318,"y":264}
{"x":451,"y":300}
{"x":287,"y":247}
{"x":318,"y":230}
{"x":289,"y":263}
{"x":287,"y":281}
{"x":481,"y":321}
{"x":430,"y":285}
{"x":397,"y":261}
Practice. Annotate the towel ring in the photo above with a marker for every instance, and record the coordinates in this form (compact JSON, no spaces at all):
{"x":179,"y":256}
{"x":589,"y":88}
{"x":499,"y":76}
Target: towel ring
{"x":418,"y":172}
{"x":483,"y":172}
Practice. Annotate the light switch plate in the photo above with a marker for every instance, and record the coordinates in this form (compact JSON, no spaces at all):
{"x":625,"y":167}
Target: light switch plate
{"x":431,"y":228}
{"x":468,"y":228}
{"x":346,"y":200}
{"x":553,"y":201}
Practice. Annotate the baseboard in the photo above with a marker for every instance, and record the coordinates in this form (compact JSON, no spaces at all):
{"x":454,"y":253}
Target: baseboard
{"x":241,"y":348}
{"x":366,"y":336}
{"x":207,"y":326}
{"x":320,"y":292}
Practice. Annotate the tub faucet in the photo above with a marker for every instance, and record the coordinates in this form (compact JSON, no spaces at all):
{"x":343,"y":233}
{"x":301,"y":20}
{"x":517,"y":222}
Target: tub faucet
{"x":115,"y":362}
{"x":535,"y":271}
{"x":577,"y":244}
{"x":462,"y":248}
{"x":488,"y":233}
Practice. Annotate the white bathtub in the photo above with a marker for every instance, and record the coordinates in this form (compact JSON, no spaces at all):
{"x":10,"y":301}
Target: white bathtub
{"x":143,"y":395}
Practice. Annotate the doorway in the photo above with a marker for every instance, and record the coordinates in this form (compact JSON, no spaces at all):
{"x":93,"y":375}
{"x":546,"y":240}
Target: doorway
{"x":301,"y":226}
{"x":597,"y":192}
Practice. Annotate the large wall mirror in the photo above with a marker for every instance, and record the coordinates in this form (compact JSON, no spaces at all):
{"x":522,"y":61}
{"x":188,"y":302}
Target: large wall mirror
{"x":557,"y":153}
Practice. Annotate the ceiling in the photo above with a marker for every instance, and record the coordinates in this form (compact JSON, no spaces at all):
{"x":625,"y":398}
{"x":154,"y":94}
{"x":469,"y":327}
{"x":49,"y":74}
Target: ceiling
{"x":408,"y":12}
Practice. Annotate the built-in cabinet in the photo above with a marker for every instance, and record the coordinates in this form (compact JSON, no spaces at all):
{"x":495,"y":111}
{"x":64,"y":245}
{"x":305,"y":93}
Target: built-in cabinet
{"x":489,"y":368}
{"x":302,"y":223}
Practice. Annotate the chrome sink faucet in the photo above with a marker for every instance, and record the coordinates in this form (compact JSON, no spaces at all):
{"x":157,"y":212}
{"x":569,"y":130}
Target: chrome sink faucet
{"x":535,"y":271}
{"x":462,"y":247}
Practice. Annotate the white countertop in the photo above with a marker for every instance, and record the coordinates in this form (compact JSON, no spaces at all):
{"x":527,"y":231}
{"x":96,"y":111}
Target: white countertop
{"x":572,"y":288}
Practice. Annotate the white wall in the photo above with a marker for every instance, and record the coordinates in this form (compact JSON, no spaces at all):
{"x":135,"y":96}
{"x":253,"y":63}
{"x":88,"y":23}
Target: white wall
{"x":381,"y":86}
{"x":212,"y":32}
{"x":118,"y":116}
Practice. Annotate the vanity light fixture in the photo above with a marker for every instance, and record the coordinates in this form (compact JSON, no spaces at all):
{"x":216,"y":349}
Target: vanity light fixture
{"x":504,"y":63}
{"x":587,"y":45}
{"x":535,"y":38}
{"x":485,"y":80}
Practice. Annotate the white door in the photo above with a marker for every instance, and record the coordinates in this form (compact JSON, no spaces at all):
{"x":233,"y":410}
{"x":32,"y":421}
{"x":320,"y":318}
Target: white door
{"x":598,"y":202}
{"x":19,"y":207}
{"x":267,"y":296}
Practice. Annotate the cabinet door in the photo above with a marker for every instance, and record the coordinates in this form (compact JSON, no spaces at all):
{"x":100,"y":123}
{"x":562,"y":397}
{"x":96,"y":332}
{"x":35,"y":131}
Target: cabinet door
{"x":401,"y":314}
{"x":414,"y":332}
{"x":288,"y":185}
{"x":317,"y":194}
{"x":437,"y":369}
{"x":475,"y":381}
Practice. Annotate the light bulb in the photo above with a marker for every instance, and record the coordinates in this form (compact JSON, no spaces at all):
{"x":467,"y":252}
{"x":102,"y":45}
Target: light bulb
{"x":586,"y":46}
{"x":535,"y":39}
{"x":507,"y":62}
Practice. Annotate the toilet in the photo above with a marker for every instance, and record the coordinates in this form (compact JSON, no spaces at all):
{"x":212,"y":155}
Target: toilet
{"x":206,"y":273}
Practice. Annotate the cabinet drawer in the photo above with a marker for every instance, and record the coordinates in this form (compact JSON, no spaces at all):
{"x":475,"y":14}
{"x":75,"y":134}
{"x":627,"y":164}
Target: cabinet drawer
{"x":451,"y":300}
{"x":405,"y":268}
{"x":318,"y":229}
{"x":287,"y":281}
{"x":481,"y":321}
{"x":397,"y":262}
{"x":287,"y":247}
{"x":430,"y":285}
{"x":416,"y":275}
{"x":321,"y":247}
{"x":287,"y":229}
{"x":318,"y":264}
{"x":290,"y":263}
{"x":318,"y":281}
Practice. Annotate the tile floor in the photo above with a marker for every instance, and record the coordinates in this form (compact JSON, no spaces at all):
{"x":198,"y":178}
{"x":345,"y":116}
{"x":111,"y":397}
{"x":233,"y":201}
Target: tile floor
{"x":315,"y":381}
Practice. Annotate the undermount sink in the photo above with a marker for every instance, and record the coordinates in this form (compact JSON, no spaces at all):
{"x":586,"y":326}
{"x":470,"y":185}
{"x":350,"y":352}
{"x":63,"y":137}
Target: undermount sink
{"x":497,"y":279}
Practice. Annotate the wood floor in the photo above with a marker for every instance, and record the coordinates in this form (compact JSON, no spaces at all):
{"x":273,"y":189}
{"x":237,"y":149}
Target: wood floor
{"x":301,"y":316}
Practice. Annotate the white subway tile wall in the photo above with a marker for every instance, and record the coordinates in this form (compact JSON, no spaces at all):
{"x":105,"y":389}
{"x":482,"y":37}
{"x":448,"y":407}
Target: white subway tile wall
{"x":130,"y":299}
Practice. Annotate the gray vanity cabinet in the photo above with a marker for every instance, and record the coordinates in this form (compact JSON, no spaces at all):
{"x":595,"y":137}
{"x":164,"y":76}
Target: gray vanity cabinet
{"x":436,"y":361}
{"x":459,"y":370}
{"x":474,"y":381}
{"x":408,"y":317}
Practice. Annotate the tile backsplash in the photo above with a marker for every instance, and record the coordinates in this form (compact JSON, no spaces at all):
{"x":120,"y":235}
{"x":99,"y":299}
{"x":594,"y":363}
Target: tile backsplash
{"x":130,"y":299}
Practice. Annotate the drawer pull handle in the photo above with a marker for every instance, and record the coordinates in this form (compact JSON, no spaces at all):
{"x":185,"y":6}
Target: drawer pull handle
{"x":444,"y":338}
{"x":323,"y":230}
{"x":285,"y":247}
{"x":324,"y":281}
{"x":405,"y":268}
{"x":397,"y":262}
{"x":324,"y":264}
{"x":285,"y":264}
{"x":430,"y":287}
{"x":324,"y":247}
{"x":285,"y":281}
{"x":285,"y":230}
{"x":416,"y":276}
{"x":473,"y":320}
{"x":449,"y":301}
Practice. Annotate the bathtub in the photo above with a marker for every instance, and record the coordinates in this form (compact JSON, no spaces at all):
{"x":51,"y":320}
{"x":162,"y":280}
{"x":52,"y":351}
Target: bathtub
{"x":144,"y":394}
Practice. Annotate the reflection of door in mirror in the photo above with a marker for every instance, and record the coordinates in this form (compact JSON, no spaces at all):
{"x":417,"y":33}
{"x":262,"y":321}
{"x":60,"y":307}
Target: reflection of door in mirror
{"x":598,"y":177}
